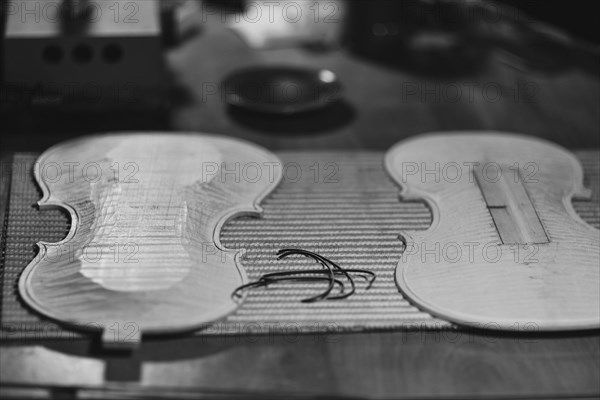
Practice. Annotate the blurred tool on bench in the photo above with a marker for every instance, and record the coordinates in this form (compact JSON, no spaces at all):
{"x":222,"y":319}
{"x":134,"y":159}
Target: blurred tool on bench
{"x":87,"y":55}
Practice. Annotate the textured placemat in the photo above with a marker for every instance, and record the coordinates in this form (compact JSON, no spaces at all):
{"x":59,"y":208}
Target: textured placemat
{"x":342,"y":205}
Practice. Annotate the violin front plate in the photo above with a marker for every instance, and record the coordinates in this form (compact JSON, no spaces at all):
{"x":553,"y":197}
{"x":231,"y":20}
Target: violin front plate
{"x":143,"y":255}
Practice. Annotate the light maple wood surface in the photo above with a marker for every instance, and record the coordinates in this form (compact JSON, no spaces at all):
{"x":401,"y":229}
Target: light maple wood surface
{"x":143,"y":254}
{"x":505,"y":249}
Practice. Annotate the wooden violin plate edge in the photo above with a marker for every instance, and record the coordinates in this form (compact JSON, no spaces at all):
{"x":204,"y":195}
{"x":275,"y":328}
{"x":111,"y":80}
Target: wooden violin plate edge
{"x":407,"y":193}
{"x":48,"y":201}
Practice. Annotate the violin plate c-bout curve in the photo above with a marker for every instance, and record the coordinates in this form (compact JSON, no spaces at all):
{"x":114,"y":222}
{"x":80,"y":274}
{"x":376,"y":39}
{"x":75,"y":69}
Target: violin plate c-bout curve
{"x":505,"y":250}
{"x":143,"y":254}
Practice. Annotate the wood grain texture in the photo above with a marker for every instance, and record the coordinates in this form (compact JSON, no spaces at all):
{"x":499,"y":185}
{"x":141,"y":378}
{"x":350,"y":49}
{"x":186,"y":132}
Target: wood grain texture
{"x":144,"y":251}
{"x":461,"y":270}
{"x":400,"y":365}
{"x":411,"y":364}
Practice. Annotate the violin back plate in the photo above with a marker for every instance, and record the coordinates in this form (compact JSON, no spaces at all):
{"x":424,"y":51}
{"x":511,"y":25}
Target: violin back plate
{"x":505,"y":249}
{"x":143,"y":254}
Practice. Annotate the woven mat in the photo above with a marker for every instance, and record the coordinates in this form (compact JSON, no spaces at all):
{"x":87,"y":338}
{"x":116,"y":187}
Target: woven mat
{"x":341,"y":205}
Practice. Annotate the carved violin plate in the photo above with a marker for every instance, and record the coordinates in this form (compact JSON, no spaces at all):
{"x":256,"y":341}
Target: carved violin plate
{"x":506,"y":249}
{"x":143,"y":255}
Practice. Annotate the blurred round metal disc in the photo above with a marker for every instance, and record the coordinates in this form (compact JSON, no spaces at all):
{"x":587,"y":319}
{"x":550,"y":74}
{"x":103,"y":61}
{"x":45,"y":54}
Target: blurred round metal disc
{"x":282,"y":90}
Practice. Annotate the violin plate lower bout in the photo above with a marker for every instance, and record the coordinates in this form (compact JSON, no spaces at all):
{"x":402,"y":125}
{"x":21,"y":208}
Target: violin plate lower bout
{"x":143,"y":255}
{"x":505,"y":249}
